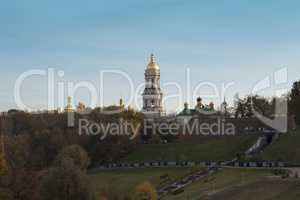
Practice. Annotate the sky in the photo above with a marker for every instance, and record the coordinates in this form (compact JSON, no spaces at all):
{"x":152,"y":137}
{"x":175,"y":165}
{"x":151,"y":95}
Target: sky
{"x":218,"y":41}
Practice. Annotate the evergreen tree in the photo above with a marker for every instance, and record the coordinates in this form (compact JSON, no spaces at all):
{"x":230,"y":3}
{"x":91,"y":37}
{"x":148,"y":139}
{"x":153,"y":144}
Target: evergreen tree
{"x":294,"y":102}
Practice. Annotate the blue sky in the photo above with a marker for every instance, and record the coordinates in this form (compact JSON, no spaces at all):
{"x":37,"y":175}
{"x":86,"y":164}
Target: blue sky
{"x":219,"y":40}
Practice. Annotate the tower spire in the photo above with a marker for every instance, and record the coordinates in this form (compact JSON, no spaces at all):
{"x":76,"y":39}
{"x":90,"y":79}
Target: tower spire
{"x":152,"y":58}
{"x":69,"y":101}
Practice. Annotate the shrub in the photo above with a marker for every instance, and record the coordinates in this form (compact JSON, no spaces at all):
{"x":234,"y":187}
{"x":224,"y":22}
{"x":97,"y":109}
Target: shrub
{"x":145,"y":191}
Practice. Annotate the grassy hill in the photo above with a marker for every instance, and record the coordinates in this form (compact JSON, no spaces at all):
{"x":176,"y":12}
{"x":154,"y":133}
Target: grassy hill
{"x":264,"y":189}
{"x":213,"y":148}
{"x":286,"y":148}
{"x":227,"y":184}
{"x":246,"y":184}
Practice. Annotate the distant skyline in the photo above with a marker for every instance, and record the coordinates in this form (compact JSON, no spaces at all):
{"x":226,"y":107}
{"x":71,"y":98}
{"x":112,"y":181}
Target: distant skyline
{"x":220,"y":41}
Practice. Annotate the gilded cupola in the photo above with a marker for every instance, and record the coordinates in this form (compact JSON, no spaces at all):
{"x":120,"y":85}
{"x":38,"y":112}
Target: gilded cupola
{"x":152,"y":64}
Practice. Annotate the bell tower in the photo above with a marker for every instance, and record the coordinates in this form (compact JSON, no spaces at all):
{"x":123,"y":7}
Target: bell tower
{"x":152,"y":95}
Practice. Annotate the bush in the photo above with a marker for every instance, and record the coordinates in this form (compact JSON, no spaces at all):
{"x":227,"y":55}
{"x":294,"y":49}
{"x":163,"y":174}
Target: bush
{"x":145,"y":191}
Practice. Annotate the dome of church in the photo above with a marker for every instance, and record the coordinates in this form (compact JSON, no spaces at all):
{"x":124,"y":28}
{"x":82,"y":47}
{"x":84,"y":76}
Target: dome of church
{"x":152,"y":64}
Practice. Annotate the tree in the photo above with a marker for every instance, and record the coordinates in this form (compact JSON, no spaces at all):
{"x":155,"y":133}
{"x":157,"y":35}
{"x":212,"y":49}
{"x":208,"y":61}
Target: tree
{"x":294,"y":102}
{"x":3,"y":164}
{"x":4,"y":191}
{"x":145,"y":191}
{"x":43,"y":149}
{"x":17,"y":152}
{"x":65,"y":182}
{"x":246,"y":107}
{"x":76,"y":154}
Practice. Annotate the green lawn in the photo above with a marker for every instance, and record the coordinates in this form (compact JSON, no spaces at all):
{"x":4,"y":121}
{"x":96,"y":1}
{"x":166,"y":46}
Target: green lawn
{"x":227,"y":184}
{"x":204,"y":148}
{"x":264,"y":189}
{"x":286,"y":148}
{"x":237,"y":184}
{"x":125,"y":180}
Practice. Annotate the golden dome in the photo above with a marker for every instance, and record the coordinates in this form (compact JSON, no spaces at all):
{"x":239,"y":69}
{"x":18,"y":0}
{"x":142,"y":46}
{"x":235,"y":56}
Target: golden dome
{"x":152,"y":64}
